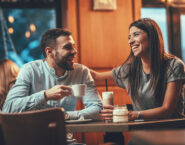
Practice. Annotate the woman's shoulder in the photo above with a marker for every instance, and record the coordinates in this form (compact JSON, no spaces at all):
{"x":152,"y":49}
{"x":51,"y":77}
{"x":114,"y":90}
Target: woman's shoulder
{"x":175,"y":67}
{"x":175,"y":62}
{"x":124,"y":66}
{"x":122,"y":70}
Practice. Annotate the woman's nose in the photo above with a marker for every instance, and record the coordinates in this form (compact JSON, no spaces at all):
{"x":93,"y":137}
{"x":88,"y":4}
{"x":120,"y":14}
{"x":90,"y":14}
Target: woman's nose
{"x":130,"y":41}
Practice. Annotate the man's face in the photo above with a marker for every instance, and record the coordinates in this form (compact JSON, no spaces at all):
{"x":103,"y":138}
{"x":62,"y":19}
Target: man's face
{"x":65,"y":52}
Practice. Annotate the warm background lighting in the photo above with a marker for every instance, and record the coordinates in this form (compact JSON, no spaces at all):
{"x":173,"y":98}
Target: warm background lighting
{"x":11,"y":19}
{"x":170,"y":0}
{"x":32,"y":27}
{"x":10,"y":30}
{"x":104,"y":1}
{"x":27,"y":34}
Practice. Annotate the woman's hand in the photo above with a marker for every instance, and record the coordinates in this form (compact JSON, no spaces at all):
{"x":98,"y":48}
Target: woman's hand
{"x":106,"y":113}
{"x":132,"y":115}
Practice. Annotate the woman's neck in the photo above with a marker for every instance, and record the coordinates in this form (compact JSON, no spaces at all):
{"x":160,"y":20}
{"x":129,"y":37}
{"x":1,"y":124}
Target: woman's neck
{"x":146,"y":65}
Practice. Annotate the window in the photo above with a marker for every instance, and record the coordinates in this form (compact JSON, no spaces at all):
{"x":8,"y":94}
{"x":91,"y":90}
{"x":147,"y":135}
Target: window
{"x":159,"y":15}
{"x":182,"y":20}
{"x":22,"y":25}
{"x":170,"y":15}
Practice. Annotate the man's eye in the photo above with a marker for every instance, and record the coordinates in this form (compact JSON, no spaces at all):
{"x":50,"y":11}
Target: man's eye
{"x":68,"y":47}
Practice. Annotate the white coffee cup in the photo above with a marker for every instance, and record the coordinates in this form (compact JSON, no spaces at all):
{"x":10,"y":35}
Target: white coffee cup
{"x":107,"y":98}
{"x":78,"y":90}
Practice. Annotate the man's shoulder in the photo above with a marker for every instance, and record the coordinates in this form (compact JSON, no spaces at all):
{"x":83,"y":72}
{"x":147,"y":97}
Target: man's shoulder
{"x":33,"y":63}
{"x":32,"y":68}
{"x":78,"y":66}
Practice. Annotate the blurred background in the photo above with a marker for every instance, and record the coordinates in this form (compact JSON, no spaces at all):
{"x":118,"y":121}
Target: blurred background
{"x":24,"y":21}
{"x":100,"y":29}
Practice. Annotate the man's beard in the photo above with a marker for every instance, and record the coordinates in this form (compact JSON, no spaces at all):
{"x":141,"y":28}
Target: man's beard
{"x":62,"y":63}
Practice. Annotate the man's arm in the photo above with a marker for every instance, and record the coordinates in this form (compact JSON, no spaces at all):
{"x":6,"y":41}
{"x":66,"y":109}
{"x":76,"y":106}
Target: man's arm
{"x":18,"y":98}
{"x":92,"y":100}
{"x":22,"y":96}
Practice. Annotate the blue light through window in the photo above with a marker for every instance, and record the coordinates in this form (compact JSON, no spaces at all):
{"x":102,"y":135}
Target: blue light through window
{"x":25,"y":27}
{"x":160,"y":16}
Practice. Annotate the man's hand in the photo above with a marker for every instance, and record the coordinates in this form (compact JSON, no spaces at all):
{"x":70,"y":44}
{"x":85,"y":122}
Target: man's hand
{"x":57,"y":92}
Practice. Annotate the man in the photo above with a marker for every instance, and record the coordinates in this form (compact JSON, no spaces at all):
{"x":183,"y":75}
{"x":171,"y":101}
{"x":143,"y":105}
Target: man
{"x":46,"y":83}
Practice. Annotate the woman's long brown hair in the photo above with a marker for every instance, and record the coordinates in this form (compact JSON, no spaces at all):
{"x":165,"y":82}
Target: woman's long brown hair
{"x":158,"y":58}
{"x":8,"y":73}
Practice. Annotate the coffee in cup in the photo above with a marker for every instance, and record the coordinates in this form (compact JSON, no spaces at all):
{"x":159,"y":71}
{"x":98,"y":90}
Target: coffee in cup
{"x":107,"y":98}
{"x":78,"y":90}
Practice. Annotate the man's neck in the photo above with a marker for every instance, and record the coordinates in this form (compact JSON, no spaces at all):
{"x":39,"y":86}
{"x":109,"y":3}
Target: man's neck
{"x":58,"y":71}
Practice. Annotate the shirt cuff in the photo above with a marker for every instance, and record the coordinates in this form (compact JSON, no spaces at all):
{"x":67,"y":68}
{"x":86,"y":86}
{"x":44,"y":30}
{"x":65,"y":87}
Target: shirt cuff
{"x":40,"y":99}
{"x":73,"y":115}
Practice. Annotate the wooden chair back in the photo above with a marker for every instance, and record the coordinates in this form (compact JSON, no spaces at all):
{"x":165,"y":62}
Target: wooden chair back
{"x":42,"y":127}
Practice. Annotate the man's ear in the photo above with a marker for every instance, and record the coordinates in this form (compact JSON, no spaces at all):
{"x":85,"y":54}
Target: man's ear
{"x":49,"y":51}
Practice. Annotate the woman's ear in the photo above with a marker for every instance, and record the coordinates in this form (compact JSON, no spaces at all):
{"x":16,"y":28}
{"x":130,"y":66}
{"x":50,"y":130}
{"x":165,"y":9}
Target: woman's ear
{"x":49,"y":51}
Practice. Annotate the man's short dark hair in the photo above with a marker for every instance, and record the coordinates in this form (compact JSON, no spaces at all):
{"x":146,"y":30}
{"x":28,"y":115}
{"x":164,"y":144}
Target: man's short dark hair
{"x":49,"y":38}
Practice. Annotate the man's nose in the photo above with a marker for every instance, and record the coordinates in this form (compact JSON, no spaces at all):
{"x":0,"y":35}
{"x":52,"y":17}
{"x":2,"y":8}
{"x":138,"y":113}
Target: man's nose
{"x":74,"y":51}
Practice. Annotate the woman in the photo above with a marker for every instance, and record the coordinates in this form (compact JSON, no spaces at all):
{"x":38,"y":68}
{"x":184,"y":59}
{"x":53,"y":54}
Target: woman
{"x":153,"y":78}
{"x":8,"y":73}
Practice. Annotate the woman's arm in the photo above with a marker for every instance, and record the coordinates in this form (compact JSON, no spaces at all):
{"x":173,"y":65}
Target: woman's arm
{"x":101,"y":76}
{"x":171,"y":98}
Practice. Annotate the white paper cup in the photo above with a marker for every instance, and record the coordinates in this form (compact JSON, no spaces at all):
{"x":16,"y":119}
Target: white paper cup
{"x":107,"y":98}
{"x":78,"y":90}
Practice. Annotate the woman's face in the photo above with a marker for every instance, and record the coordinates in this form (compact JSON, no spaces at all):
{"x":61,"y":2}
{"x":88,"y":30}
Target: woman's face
{"x":138,"y":41}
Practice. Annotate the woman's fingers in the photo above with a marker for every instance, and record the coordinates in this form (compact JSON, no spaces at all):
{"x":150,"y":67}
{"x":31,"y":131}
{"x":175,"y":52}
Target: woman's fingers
{"x":106,"y":111}
{"x":106,"y":115}
{"x":107,"y":118}
{"x":108,"y":107}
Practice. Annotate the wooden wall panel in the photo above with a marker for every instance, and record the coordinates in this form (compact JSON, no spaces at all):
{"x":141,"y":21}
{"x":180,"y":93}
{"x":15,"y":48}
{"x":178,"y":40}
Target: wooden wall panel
{"x":104,"y":34}
{"x":72,"y":23}
{"x":136,"y":9}
{"x":102,"y":43}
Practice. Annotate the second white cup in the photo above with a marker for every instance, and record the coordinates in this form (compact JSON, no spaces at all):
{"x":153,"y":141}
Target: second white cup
{"x":78,"y":90}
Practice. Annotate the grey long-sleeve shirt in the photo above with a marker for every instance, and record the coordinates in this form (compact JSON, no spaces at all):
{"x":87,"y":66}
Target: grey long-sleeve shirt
{"x":36,"y":77}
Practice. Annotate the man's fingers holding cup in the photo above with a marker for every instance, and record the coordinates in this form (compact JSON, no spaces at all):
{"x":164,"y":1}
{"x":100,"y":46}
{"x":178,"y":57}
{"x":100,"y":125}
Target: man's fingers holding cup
{"x":66,"y":92}
{"x":66,"y":88}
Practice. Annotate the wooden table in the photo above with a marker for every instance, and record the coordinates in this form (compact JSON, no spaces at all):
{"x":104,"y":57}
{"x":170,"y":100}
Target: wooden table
{"x":100,"y":126}
{"x":159,"y":137}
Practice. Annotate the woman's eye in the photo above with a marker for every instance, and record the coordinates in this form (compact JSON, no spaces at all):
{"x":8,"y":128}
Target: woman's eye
{"x":136,"y":34}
